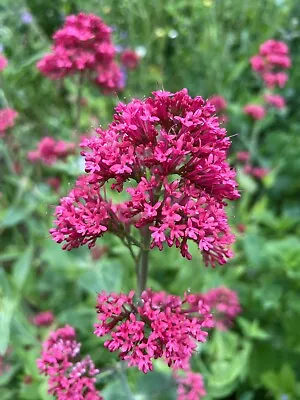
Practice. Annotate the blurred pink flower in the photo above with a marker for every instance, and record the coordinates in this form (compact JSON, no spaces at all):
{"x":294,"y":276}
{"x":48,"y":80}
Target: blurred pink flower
{"x":67,"y":379}
{"x":255,"y":111}
{"x":49,"y":151}
{"x":130,"y":59}
{"x":44,"y":318}
{"x":243,"y":156}
{"x":275,"y":100}
{"x":7,"y":119}
{"x":219,"y":102}
{"x":3,"y":62}
{"x":190,"y":386}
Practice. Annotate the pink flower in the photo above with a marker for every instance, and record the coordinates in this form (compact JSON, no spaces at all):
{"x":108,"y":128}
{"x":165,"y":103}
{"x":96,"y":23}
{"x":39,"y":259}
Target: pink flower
{"x":255,"y":111}
{"x":83,"y":44}
{"x":7,"y":119}
{"x":190,"y":386}
{"x":273,"y":56}
{"x":54,"y":182}
{"x":259,"y":172}
{"x":171,"y":153}
{"x":224,"y":304}
{"x":219,"y":102}
{"x":44,"y":318}
{"x":275,"y":100}
{"x":3,"y":62}
{"x":49,"y":151}
{"x":158,"y":326}
{"x":243,"y":156}
{"x":130,"y":59}
{"x":67,"y":379}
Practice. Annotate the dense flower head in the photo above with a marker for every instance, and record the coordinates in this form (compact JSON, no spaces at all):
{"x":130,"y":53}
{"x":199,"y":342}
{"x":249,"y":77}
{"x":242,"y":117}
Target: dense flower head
{"x":130,"y":59}
{"x":7,"y":119}
{"x":50,"y":150}
{"x":255,"y":111}
{"x":168,"y":153}
{"x":190,"y":386}
{"x":67,"y":379}
{"x":44,"y":318}
{"x":243,"y":156}
{"x":272,"y":58}
{"x":224,"y":304}
{"x":3,"y":62}
{"x":219,"y":102}
{"x":83,"y":44}
{"x":275,"y":100}
{"x":157,"y":326}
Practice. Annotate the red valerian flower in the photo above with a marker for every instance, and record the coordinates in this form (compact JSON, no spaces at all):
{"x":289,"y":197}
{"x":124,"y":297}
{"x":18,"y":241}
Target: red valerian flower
{"x":44,"y":318}
{"x":272,"y":58}
{"x":190,"y":385}
{"x":49,"y":151}
{"x":7,"y":119}
{"x":255,"y":111}
{"x":224,"y":304}
{"x":68,"y":379}
{"x":243,"y":156}
{"x":169,"y":154}
{"x":158,"y":326}
{"x":83,"y":45}
{"x":219,"y":102}
{"x":3,"y":62}
{"x":130,"y":59}
{"x":275,"y":100}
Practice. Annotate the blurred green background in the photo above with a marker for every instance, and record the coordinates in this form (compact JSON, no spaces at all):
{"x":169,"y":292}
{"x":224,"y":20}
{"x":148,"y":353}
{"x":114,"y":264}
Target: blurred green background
{"x":205,"y":46}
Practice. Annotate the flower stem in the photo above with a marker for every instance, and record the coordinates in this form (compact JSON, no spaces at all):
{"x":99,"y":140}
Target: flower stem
{"x":78,"y":105}
{"x":143,"y":260}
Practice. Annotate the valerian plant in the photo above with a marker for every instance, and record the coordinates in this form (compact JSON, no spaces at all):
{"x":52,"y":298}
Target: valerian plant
{"x":166,"y":157}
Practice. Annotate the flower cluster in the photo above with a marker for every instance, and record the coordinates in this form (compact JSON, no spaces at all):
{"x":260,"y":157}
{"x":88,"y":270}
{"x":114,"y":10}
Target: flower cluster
{"x":44,"y":318}
{"x":49,"y":151}
{"x":169,"y":154}
{"x":256,"y":172}
{"x":220,"y":105}
{"x":224,"y":304}
{"x":83,"y":45}
{"x":274,"y":100}
{"x":67,"y":379}
{"x":255,"y":111}
{"x":190,"y":386}
{"x":130,"y":59}
{"x":7,"y":119}
{"x":158,"y":326}
{"x":3,"y":62}
{"x":273,"y":57}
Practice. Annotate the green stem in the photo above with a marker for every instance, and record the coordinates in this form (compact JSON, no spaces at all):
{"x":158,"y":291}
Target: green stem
{"x":78,"y":105}
{"x":143,"y":260}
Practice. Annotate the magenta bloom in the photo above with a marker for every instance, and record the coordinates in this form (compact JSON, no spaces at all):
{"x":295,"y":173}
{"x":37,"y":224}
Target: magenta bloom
{"x":54,"y":182}
{"x":259,"y":172}
{"x":3,"y":62}
{"x":255,"y":111}
{"x":170,"y":153}
{"x":275,"y":100}
{"x":243,"y":156}
{"x":83,"y":44}
{"x":159,"y":326}
{"x":190,"y":386}
{"x":44,"y":318}
{"x":219,"y":102}
{"x":224,"y":304}
{"x":130,"y":59}
{"x":272,"y":58}
{"x":49,"y":151}
{"x":67,"y":379}
{"x":7,"y":119}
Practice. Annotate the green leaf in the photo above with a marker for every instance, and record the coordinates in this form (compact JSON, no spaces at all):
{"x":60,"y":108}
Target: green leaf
{"x":22,"y":268}
{"x":104,"y":276}
{"x":6,"y":313}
